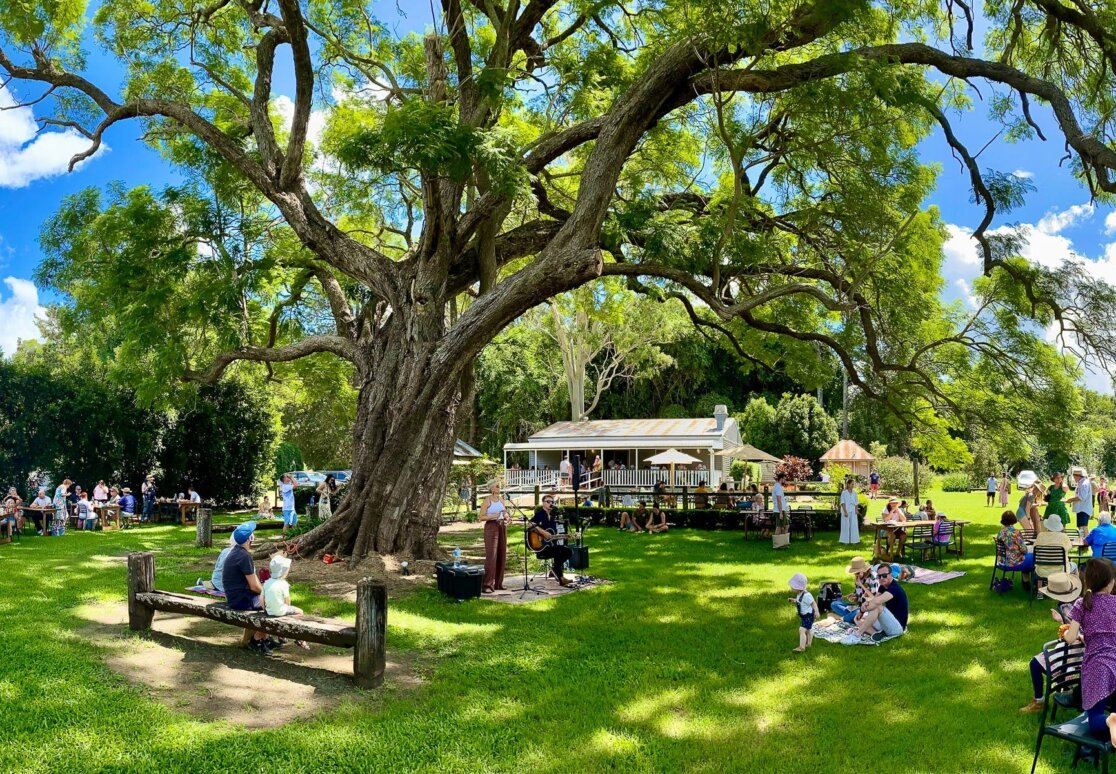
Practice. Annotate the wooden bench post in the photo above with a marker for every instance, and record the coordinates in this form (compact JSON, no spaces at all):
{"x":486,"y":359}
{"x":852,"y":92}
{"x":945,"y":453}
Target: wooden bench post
{"x":371,"y":627}
{"x":205,"y":528}
{"x":141,"y":578}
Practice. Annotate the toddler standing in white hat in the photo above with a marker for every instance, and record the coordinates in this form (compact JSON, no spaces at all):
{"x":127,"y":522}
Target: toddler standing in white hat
{"x":807,"y":611}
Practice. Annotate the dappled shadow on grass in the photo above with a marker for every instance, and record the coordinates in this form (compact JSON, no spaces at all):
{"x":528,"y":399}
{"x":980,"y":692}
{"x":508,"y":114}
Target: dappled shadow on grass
{"x":683,"y":663}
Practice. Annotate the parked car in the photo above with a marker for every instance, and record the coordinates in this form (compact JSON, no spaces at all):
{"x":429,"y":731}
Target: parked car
{"x":1025,"y":479}
{"x":306,"y":477}
{"x":341,"y":476}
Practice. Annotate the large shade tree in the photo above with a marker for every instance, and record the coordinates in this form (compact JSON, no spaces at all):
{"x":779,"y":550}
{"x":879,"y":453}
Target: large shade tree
{"x":754,"y":162}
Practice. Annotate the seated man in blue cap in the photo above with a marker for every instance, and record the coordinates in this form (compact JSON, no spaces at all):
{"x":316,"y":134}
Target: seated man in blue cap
{"x":242,"y":586}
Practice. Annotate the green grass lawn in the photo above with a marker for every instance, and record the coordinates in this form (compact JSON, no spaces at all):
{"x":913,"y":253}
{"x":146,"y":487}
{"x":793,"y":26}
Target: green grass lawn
{"x":684,"y":663}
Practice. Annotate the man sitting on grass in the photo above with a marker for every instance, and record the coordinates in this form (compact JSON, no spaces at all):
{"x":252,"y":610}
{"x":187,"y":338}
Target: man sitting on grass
{"x":885,"y":614}
{"x":631,"y":523}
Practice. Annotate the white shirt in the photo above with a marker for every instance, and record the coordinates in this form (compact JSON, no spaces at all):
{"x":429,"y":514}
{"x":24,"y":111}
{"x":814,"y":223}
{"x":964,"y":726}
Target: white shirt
{"x":778,"y":499}
{"x":195,"y":497}
{"x":849,"y":503}
{"x":564,"y":467}
{"x":276,"y":592}
{"x":991,"y":483}
{"x":1084,"y":490}
{"x":43,"y":502}
{"x":805,"y":603}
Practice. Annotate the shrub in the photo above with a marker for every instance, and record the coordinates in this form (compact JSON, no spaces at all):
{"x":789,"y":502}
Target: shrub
{"x":673,"y":411}
{"x":956,"y":482}
{"x":897,"y":476}
{"x":838,"y":474}
{"x":794,"y":468}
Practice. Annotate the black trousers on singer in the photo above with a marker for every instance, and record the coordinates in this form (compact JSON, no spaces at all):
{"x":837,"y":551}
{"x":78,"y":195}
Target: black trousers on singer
{"x":558,"y":554}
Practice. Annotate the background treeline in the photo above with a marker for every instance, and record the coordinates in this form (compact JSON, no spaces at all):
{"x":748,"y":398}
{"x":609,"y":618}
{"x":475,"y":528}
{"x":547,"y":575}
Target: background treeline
{"x":64,"y":422}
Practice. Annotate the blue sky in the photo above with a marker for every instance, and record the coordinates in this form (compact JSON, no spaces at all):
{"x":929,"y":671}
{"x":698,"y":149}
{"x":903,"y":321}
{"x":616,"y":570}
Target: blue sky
{"x":33,"y":181}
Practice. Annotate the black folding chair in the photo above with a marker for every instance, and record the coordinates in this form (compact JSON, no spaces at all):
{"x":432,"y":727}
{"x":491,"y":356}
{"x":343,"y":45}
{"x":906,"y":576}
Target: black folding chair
{"x":1000,"y":566}
{"x":1047,"y":557}
{"x":1063,"y":691}
{"x":1108,"y":551}
{"x":919,"y":540}
{"x":944,"y":538}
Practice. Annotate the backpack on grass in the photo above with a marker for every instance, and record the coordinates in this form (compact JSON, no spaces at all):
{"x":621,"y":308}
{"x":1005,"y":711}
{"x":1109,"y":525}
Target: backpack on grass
{"x":829,"y":593}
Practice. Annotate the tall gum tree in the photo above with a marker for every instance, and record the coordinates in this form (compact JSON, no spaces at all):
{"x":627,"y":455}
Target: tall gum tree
{"x":754,"y":162}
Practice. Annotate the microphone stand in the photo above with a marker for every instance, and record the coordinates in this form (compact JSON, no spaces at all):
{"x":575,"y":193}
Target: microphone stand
{"x":527,"y":587}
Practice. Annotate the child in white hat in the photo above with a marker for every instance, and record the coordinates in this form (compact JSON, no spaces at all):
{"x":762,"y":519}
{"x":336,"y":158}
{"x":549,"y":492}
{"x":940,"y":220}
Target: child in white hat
{"x":807,"y":611}
{"x":276,"y":589}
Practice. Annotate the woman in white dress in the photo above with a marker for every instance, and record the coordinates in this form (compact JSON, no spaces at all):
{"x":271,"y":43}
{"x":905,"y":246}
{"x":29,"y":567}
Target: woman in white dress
{"x":850,"y":522}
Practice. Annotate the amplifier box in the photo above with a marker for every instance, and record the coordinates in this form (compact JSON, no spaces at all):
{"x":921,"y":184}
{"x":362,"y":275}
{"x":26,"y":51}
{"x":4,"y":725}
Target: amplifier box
{"x":461,"y":582}
{"x":580,"y":558}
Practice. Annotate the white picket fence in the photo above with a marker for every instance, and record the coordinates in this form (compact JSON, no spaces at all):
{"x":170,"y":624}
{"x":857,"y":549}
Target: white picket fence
{"x":528,"y":479}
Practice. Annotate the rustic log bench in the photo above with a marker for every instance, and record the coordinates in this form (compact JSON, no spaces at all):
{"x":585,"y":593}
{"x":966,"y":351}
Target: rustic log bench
{"x":366,"y":637}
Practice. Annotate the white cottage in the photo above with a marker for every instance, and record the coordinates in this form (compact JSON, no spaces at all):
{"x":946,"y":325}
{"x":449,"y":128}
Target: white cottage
{"x":627,"y":443}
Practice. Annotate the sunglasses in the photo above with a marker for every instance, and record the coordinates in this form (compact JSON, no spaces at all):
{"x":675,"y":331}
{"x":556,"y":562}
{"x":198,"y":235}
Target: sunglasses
{"x":882,"y":575}
{"x":548,"y":502}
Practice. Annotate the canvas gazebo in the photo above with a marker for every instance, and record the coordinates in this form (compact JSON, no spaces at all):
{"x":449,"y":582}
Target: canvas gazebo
{"x":851,"y":455}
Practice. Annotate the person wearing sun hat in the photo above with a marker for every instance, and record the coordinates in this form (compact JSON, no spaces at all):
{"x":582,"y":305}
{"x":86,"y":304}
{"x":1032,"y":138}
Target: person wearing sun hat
{"x":241,"y":584}
{"x":864,"y":585}
{"x":893,"y":513}
{"x":807,"y":610}
{"x":1054,"y":535}
{"x":1064,"y":589}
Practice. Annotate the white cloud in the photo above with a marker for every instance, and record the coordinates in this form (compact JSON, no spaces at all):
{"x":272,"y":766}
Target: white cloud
{"x":1110,"y":223}
{"x":19,"y":313}
{"x":26,"y":155}
{"x":1023,"y":173}
{"x":284,"y":107}
{"x":1057,"y":222}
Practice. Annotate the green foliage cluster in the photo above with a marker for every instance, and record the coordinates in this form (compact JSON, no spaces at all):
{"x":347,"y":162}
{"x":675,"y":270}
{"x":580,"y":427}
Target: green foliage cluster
{"x":956,"y":482}
{"x":897,"y":476}
{"x":69,"y":424}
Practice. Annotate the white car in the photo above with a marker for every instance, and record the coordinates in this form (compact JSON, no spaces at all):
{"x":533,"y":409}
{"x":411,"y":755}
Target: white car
{"x":306,"y":477}
{"x":1026,"y":479}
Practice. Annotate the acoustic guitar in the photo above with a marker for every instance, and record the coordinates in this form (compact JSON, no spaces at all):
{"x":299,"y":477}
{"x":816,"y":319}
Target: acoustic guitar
{"x":536,"y":542}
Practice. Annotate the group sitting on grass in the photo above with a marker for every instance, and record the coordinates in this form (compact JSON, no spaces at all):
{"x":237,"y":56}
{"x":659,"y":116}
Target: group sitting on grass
{"x":652,"y":521}
{"x":877,"y":606}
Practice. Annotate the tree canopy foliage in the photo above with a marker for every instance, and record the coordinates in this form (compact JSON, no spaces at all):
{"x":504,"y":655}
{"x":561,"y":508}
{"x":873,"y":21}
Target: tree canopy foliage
{"x":755,"y":164}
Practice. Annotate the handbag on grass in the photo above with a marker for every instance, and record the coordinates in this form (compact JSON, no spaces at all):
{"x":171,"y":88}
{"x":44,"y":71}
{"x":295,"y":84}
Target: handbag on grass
{"x":781,"y":540}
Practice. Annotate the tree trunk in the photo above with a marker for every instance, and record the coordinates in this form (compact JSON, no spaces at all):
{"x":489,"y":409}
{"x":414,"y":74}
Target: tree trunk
{"x":403,"y":441}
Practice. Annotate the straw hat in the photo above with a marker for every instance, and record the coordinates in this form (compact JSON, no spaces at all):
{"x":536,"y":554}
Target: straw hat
{"x":797,"y":582}
{"x":893,"y":500}
{"x":857,"y":566}
{"x":1053,"y":523}
{"x":1077,"y":471}
{"x":1062,"y":586}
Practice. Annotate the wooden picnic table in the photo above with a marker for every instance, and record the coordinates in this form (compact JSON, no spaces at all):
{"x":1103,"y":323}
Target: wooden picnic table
{"x":186,"y":506}
{"x":104,"y":510}
{"x":883,"y":527}
{"x":47,"y":511}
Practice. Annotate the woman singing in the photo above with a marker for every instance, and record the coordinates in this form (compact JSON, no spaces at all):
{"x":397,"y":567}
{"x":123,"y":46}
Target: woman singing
{"x":494,"y":514}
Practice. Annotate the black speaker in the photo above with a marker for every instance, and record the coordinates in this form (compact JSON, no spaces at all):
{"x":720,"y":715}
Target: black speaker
{"x":575,"y":471}
{"x":580,"y":558}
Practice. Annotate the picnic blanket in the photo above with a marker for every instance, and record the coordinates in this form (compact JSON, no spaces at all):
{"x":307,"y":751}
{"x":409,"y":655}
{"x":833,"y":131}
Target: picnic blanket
{"x":928,"y":577}
{"x":207,"y":592}
{"x":834,"y":630}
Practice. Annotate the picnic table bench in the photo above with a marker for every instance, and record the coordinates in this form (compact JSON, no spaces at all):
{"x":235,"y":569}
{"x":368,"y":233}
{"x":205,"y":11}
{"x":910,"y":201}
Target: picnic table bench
{"x":366,"y":637}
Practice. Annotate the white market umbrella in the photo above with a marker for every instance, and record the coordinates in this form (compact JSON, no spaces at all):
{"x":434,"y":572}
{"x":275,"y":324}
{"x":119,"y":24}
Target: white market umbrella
{"x":672,"y":457}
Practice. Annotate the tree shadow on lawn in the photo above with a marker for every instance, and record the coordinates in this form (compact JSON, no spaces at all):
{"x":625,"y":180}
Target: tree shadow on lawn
{"x":683,"y":663}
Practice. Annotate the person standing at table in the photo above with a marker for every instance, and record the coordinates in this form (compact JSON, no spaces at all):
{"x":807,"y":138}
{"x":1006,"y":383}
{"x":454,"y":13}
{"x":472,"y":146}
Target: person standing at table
{"x":494,"y":514}
{"x":61,"y":504}
{"x":150,"y":493}
{"x":100,"y":493}
{"x":850,"y":521}
{"x":1055,"y":499}
{"x":779,"y":505}
{"x":286,"y":492}
{"x":1083,"y":491}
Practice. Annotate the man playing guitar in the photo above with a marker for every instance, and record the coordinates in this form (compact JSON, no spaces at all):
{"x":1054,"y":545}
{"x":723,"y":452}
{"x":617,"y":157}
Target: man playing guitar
{"x":546,"y":527}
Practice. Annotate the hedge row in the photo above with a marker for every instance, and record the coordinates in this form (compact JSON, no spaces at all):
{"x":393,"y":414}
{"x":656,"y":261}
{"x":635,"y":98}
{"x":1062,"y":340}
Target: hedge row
{"x":701,"y":519}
